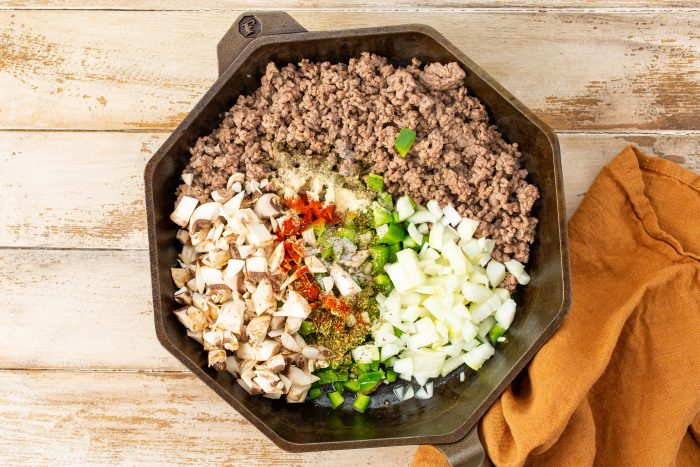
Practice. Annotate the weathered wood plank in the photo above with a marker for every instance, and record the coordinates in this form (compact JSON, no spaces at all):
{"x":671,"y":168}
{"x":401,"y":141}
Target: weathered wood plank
{"x":85,"y":189}
{"x":334,"y":4}
{"x":78,"y":309}
{"x":144,"y":70}
{"x":61,"y":418}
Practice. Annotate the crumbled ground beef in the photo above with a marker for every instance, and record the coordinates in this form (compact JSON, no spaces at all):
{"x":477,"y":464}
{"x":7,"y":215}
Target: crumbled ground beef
{"x":353,"y":112}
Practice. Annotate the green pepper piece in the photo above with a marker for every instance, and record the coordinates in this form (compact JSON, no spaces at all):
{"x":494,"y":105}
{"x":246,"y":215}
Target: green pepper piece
{"x":348,"y":233}
{"x":314,"y":393}
{"x":372,"y":376}
{"x":327,"y":253}
{"x":327,"y":376}
{"x":393,"y":249}
{"x":319,"y":227}
{"x":383,"y":283}
{"x":361,"y":403}
{"x":390,"y":233}
{"x":353,"y":385}
{"x":395,"y":217}
{"x":390,"y":375}
{"x":336,"y":399}
{"x":404,"y":141}
{"x":408,"y":242}
{"x":496,"y":332}
{"x":380,"y":255}
{"x":398,"y":332}
{"x":361,"y":368}
{"x":368,"y":386}
{"x":375,"y":182}
{"x":386,"y":200}
{"x":307,"y":327}
{"x":381,"y":215}
{"x":339,"y":386}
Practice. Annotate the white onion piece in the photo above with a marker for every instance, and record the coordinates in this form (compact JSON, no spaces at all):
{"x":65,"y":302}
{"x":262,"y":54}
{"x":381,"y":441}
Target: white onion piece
{"x":518,"y":270}
{"x":408,"y":394}
{"x":475,"y":358}
{"x":399,"y":391}
{"x":505,"y":314}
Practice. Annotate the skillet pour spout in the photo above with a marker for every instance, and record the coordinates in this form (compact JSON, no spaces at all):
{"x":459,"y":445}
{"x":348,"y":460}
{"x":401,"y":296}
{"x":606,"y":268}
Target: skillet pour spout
{"x":448,"y":420}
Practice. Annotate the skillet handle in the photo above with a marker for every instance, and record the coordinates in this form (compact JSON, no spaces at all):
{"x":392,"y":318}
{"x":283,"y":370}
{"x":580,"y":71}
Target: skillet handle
{"x":247,"y":27}
{"x":467,"y":452}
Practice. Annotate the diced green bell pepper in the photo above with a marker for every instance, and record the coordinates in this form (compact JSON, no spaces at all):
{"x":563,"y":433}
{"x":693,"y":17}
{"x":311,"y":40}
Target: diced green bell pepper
{"x":327,"y":253}
{"x":376,"y":375}
{"x":393,"y":249}
{"x":404,"y":141}
{"x":327,"y":376}
{"x":348,"y":233}
{"x":375,"y":182}
{"x":336,"y":399}
{"x":307,"y":327}
{"x":368,"y":386}
{"x":361,"y":368}
{"x":386,"y":200}
{"x":381,"y":215}
{"x":495,"y":332}
{"x":390,"y":375}
{"x":339,"y":386}
{"x":380,"y":255}
{"x":361,"y":403}
{"x":353,"y":385}
{"x":398,"y":332}
{"x":408,"y":242}
{"x":314,"y":393}
{"x":390,"y":233}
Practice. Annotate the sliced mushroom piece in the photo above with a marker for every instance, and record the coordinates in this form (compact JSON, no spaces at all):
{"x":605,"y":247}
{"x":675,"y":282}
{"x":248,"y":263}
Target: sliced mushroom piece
{"x":183,"y":296}
{"x":196,"y":336}
{"x":235,"y":178}
{"x":211,"y":276}
{"x":292,"y":325}
{"x":247,"y":375}
{"x":215,"y":232}
{"x":300,"y":340}
{"x":277,"y":322}
{"x":273,"y":395}
{"x":267,"y":205}
{"x":232,"y":365}
{"x":192,"y":318}
{"x":317,"y":353}
{"x":327,"y":283}
{"x":213,"y":339}
{"x":344,"y":282}
{"x":259,"y":235}
{"x":266,"y":350}
{"x":256,"y":264}
{"x":274,"y":333}
{"x":245,"y":351}
{"x":264,"y":297}
{"x":300,"y":377}
{"x":287,"y":382}
{"x":216,"y":258}
{"x":350,"y":321}
{"x":203,"y":246}
{"x":315,"y":265}
{"x":220,"y":293}
{"x":288,"y":342}
{"x":252,"y":390}
{"x":276,"y":364}
{"x":207,"y":211}
{"x":268,"y":382}
{"x":244,"y":251}
{"x":309,"y":237}
{"x":357,"y":259}
{"x":183,"y":236}
{"x":295,"y":306}
{"x":217,"y":359}
{"x":187,"y":178}
{"x":188,"y":254}
{"x":184,"y":210}
{"x":231,"y":316}
{"x":275,"y":259}
{"x":232,"y":206}
{"x":230,"y":341}
{"x":257,"y":328}
{"x":200,"y":302}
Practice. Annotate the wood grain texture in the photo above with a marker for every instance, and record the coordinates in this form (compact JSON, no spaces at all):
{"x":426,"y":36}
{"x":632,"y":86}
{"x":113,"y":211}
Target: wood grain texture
{"x":337,"y":4}
{"x":145,"y":70}
{"x":58,"y":418}
{"x":85,"y":189}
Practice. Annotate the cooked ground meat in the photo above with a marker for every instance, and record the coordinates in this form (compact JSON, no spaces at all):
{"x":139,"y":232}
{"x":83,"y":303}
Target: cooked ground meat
{"x":353,"y":112}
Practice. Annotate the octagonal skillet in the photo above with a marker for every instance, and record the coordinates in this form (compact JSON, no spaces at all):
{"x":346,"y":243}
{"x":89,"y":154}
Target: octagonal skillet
{"x":448,"y":419}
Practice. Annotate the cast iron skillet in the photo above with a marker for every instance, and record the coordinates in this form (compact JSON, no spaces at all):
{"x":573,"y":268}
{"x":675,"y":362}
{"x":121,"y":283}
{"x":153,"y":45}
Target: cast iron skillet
{"x":446,"y":419}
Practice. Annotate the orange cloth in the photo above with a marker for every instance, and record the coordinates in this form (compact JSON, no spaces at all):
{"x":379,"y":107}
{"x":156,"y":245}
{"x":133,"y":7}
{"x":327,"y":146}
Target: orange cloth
{"x":619,"y":382}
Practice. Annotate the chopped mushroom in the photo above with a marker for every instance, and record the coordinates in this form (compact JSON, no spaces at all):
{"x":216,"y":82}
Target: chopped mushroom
{"x":344,"y":282}
{"x":217,"y":359}
{"x":183,"y":211}
{"x":267,"y":205}
{"x":257,"y":329}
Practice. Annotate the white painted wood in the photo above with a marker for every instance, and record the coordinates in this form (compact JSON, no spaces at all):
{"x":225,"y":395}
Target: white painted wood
{"x":106,"y":70}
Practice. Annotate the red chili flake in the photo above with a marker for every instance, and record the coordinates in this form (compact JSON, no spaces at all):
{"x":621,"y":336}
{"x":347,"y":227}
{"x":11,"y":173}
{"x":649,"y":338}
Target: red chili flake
{"x":337,"y":305}
{"x":307,"y":288}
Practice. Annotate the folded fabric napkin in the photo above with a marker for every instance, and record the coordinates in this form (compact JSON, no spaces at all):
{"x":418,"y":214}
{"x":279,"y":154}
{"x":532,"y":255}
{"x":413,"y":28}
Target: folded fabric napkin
{"x":619,"y":382}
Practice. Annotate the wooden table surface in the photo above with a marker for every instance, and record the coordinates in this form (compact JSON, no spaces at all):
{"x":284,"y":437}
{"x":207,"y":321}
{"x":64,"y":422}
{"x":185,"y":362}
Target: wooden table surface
{"x":89,"y":90}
